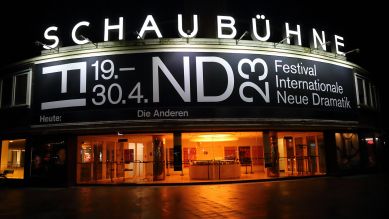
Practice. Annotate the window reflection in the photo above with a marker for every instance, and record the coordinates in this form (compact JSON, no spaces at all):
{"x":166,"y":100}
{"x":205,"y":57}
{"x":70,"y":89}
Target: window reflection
{"x":148,"y":158}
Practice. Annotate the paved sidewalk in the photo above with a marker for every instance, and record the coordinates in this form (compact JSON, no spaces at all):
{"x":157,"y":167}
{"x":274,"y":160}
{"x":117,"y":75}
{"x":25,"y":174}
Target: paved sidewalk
{"x":362,"y":196}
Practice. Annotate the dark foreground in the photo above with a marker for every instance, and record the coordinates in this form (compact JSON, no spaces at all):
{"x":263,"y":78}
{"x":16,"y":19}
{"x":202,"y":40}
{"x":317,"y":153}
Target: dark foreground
{"x":365,"y":196}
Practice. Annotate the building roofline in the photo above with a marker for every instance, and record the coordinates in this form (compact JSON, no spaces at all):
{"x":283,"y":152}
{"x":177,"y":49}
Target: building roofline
{"x":137,"y":46}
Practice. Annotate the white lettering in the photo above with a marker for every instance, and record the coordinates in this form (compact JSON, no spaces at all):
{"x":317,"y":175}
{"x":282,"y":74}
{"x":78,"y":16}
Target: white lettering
{"x":221,"y":26}
{"x":108,"y":27}
{"x":299,"y":68}
{"x":149,"y":25}
{"x":184,"y":93}
{"x":322,"y":40}
{"x":200,"y":79}
{"x":74,"y":31}
{"x":170,"y":113}
{"x":225,"y":30}
{"x":291,"y":99}
{"x":296,"y":33}
{"x":47,"y":119}
{"x":330,"y":102}
{"x":265,"y":95}
{"x":51,"y":37}
{"x":195,"y":27}
{"x":143,"y":113}
{"x":338,"y":44}
{"x":254,"y":32}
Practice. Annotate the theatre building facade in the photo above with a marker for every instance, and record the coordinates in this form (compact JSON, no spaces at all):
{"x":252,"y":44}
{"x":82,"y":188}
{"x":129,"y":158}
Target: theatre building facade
{"x":185,"y":110}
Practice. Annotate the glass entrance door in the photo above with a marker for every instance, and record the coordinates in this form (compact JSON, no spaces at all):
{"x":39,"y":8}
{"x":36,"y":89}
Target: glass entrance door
{"x":97,"y":161}
{"x":119,"y":160}
{"x":91,"y":161}
{"x":290,"y":158}
{"x":143,"y":158}
{"x":300,"y":155}
{"x":134,"y":163}
{"x":128,"y":158}
{"x":110,"y":161}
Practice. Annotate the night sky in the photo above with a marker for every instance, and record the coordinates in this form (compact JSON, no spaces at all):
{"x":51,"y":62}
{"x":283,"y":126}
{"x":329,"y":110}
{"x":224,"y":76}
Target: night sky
{"x":361,"y":24}
{"x":26,"y":23}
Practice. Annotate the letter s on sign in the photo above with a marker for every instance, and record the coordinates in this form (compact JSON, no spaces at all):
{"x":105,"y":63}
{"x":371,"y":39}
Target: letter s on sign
{"x":51,"y":37}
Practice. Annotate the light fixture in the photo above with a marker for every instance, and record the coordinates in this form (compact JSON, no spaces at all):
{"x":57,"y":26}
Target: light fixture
{"x":348,"y":52}
{"x":187,"y":38}
{"x":39,"y":43}
{"x":283,"y":40}
{"x":214,"y":138}
{"x":351,"y":51}
{"x":120,"y":134}
{"x":240,"y":38}
{"x":87,"y":39}
{"x":369,"y":140}
{"x":348,"y":135}
{"x":326,"y":43}
{"x":321,"y":45}
{"x":139,"y":37}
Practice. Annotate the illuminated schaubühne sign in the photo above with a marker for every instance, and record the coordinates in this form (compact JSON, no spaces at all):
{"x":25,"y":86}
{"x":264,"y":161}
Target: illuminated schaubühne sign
{"x":181,"y":82}
{"x":225,"y":30}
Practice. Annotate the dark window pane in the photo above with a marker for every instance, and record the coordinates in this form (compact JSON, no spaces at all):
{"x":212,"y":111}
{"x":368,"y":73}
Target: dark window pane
{"x":368,"y":89}
{"x":361,"y":94}
{"x":6,"y":94}
{"x":21,"y":89}
{"x":373,"y":97}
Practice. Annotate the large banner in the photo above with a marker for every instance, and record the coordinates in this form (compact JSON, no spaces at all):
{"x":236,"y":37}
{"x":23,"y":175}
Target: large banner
{"x":190,"y":85}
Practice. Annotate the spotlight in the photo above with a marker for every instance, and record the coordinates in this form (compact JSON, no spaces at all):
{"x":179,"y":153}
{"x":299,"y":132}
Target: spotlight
{"x":283,"y":40}
{"x":240,"y":38}
{"x":88,"y":40}
{"x":351,"y":51}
